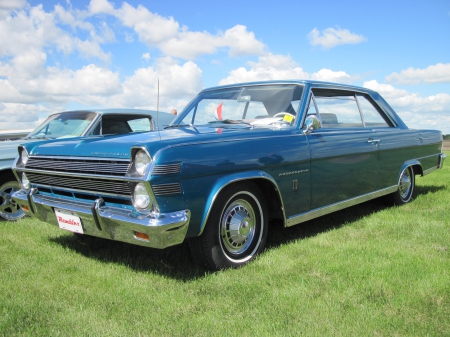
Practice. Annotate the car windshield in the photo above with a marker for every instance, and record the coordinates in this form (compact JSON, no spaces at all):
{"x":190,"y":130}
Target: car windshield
{"x":65,"y":124}
{"x":246,"y":104}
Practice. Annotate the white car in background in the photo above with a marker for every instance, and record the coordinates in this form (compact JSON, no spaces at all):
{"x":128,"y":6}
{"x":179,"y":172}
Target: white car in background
{"x":68,"y":124}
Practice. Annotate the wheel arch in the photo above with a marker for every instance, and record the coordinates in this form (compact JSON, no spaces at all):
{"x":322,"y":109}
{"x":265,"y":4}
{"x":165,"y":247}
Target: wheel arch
{"x":414,"y":164}
{"x":265,"y":182}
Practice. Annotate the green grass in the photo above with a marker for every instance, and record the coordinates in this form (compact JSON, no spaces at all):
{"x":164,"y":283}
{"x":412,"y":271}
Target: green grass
{"x":370,"y":270}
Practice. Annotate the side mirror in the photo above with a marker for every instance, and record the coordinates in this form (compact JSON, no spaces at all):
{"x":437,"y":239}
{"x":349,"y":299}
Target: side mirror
{"x":311,"y":123}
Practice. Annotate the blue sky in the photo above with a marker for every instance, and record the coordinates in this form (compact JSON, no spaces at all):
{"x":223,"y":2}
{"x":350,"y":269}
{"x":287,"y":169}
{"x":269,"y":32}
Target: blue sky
{"x":60,"y":55}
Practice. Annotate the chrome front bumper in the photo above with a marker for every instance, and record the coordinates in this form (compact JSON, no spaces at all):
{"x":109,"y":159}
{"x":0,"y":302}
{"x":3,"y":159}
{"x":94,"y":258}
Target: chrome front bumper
{"x":108,"y":222}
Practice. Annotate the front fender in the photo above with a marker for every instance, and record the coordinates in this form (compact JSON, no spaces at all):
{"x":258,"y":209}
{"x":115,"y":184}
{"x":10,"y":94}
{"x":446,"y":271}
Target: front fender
{"x":227,"y":180}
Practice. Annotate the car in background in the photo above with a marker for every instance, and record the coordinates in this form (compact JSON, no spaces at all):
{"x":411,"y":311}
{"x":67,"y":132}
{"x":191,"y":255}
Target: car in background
{"x":70,"y":124}
{"x":237,"y":158}
{"x":8,"y":135}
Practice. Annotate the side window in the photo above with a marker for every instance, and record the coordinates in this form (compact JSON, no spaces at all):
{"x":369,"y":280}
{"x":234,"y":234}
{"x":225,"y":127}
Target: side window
{"x":338,"y":111}
{"x":140,"y":124}
{"x":371,"y":116}
{"x":312,"y":107}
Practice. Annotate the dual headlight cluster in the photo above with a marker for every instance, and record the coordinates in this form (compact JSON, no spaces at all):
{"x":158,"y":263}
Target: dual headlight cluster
{"x":141,"y":196}
{"x":23,"y":160}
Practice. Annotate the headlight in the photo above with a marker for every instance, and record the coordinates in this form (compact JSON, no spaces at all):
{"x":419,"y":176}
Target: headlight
{"x":141,"y":161}
{"x":24,"y":156}
{"x":141,"y":199}
{"x":25,"y":182}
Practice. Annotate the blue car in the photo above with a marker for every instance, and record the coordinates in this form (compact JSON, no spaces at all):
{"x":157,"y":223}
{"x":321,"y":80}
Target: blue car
{"x":236,"y":158}
{"x":69,"y":124}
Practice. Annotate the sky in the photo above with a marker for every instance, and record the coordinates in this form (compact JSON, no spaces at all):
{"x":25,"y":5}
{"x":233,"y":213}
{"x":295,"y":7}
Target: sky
{"x":68,"y":55}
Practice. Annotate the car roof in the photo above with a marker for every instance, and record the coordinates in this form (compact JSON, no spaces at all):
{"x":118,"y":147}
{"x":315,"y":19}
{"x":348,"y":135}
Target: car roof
{"x":112,"y":111}
{"x":320,"y":84}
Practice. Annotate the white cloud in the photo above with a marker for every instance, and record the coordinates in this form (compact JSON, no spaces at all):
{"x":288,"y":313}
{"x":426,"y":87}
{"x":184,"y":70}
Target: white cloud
{"x":6,"y":6}
{"x":432,"y":112}
{"x":176,"y":82}
{"x":175,"y":40}
{"x":146,"y":56}
{"x":281,"y":67}
{"x":332,"y":37}
{"x":439,"y":73}
{"x":31,"y":29}
{"x":53,"y":85}
{"x":268,"y":67}
{"x":21,"y":116}
{"x":328,"y":75}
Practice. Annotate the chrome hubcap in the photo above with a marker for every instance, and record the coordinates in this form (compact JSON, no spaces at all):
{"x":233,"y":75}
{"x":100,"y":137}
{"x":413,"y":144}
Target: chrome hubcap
{"x":405,"y":184}
{"x":9,"y":209}
{"x":238,"y":226}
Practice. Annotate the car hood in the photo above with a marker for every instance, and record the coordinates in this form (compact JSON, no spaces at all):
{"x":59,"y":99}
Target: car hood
{"x":119,"y":146}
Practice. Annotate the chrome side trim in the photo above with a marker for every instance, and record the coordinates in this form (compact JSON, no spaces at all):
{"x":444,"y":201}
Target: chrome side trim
{"x":166,"y":169}
{"x":315,"y":213}
{"x":167,"y":189}
{"x":432,"y":169}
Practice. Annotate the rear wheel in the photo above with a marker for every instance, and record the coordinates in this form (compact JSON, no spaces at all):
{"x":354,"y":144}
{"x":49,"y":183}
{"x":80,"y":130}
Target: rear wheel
{"x":236,"y":230}
{"x":9,"y":209}
{"x":406,"y":184}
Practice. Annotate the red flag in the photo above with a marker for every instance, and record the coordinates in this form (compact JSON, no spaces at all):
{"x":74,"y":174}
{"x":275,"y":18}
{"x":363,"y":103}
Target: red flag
{"x":219,"y":112}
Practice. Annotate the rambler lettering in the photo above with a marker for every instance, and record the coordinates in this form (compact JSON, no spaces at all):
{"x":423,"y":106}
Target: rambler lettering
{"x":69,"y":222}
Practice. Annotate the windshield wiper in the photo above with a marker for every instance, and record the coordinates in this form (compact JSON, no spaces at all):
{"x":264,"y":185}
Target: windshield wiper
{"x":176,"y":126}
{"x":229,"y":121}
{"x":38,"y":137}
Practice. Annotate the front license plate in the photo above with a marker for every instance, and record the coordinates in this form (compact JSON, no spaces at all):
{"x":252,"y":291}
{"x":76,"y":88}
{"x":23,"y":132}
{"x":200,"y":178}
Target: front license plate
{"x":69,"y":221}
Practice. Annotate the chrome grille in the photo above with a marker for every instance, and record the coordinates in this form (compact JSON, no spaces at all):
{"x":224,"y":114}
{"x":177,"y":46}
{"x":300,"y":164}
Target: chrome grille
{"x":166,"y":169}
{"x":77,"y":165}
{"x":99,"y":186}
{"x":166,"y":189}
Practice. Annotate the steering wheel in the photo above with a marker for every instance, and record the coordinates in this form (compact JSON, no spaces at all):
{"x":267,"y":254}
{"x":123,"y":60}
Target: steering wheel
{"x":282,"y":114}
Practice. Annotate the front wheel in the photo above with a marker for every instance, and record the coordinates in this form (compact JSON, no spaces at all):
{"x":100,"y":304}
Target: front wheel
{"x":9,"y":209}
{"x":236,"y":230}
{"x":406,"y":184}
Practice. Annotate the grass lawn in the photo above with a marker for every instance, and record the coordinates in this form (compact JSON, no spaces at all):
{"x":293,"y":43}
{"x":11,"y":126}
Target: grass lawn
{"x":370,"y":270}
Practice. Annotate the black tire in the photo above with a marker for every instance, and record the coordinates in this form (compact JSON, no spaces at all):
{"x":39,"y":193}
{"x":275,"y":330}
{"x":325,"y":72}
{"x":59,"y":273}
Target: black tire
{"x":406,"y":185}
{"x":9,"y":209}
{"x":236,"y":230}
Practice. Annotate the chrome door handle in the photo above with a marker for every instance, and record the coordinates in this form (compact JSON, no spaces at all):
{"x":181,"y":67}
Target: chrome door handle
{"x":373,"y":141}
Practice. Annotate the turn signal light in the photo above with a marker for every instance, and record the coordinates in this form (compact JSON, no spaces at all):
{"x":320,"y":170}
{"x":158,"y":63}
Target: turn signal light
{"x":25,"y":208}
{"x":141,"y":236}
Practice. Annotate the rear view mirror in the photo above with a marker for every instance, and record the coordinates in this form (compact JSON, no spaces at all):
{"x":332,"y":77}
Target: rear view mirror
{"x":311,"y":123}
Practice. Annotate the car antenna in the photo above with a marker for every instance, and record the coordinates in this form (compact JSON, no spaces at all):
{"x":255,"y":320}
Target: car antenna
{"x":157,"y":109}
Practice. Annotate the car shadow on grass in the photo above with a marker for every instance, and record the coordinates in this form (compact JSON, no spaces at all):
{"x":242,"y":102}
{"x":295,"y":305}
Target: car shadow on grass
{"x":176,"y":262}
{"x":280,"y":236}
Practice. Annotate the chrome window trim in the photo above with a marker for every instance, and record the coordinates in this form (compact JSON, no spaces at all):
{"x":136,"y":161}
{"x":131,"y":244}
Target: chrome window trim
{"x":97,"y":119}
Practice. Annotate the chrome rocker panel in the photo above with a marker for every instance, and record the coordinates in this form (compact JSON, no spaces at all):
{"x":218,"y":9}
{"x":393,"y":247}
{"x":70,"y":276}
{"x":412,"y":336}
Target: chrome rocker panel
{"x":108,"y":222}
